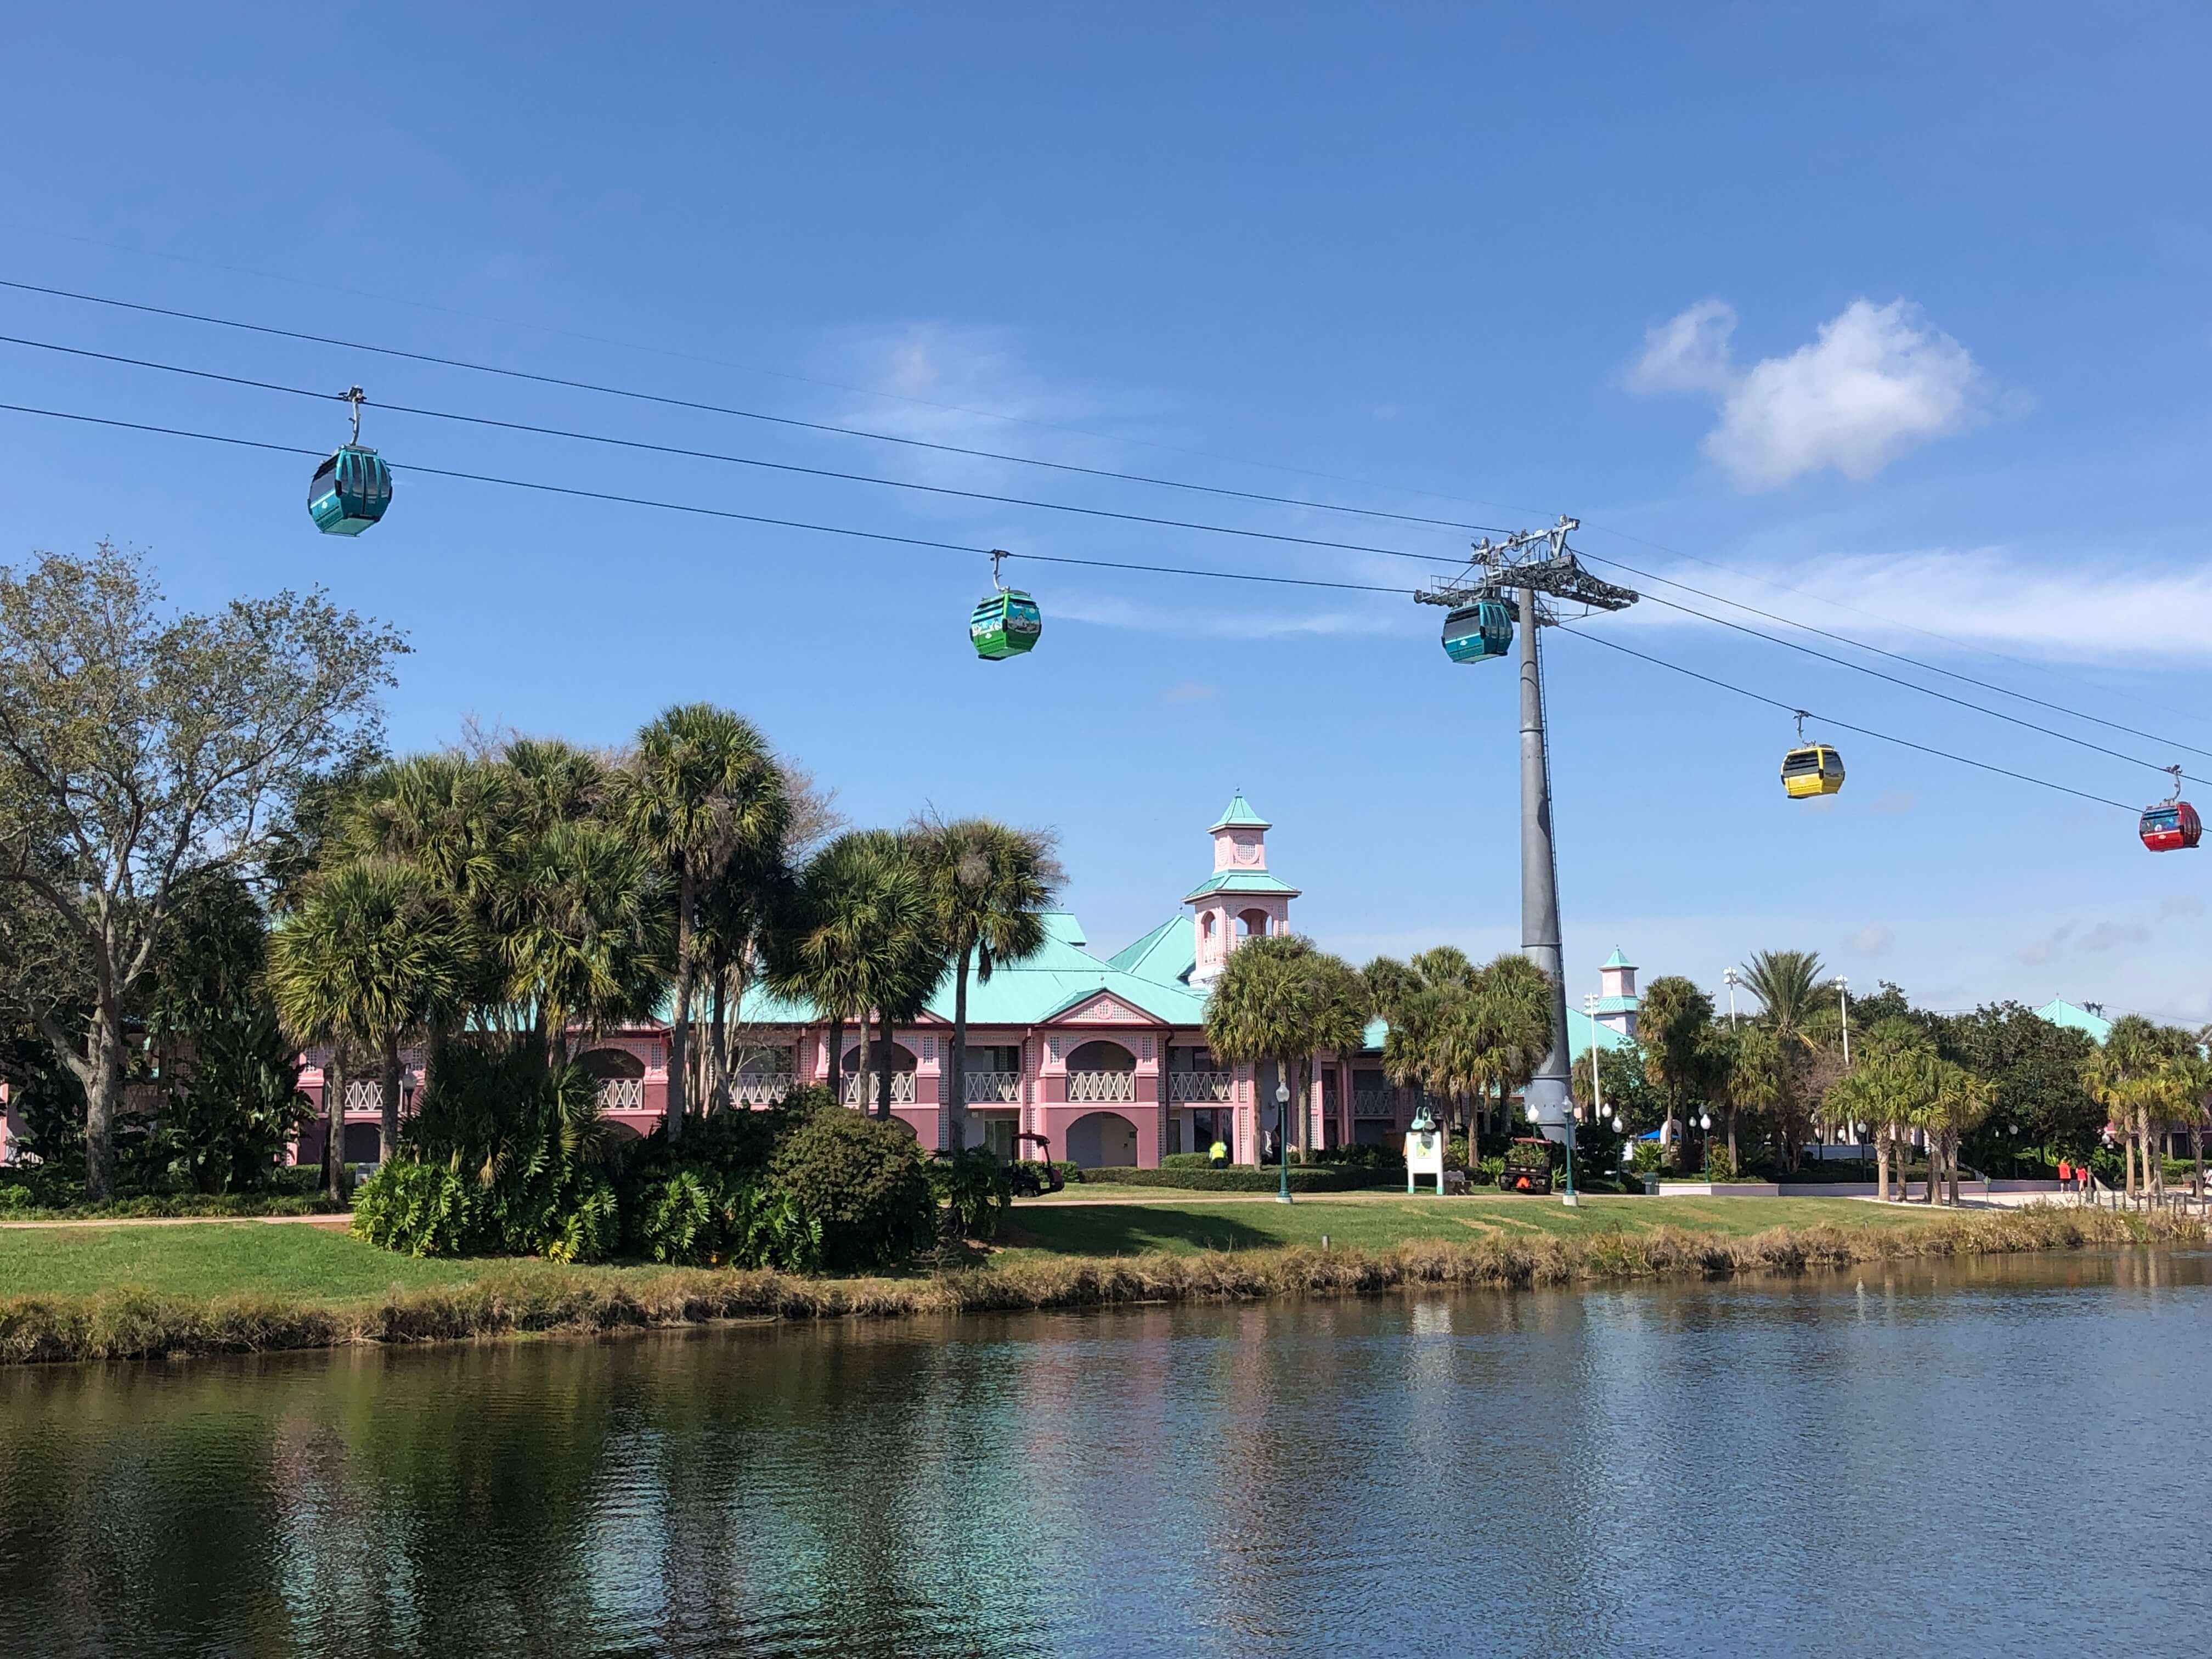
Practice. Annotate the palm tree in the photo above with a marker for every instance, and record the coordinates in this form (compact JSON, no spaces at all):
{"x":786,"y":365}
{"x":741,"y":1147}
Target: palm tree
{"x":702,"y":789}
{"x":989,"y":886}
{"x":1671,"y":1022}
{"x":850,"y":942}
{"x":2189,"y":1078}
{"x":458,"y":821}
{"x":580,"y":930}
{"x":1513,"y":1004}
{"x":1788,"y":985}
{"x":1280,"y":998}
{"x":374,"y":953}
{"x":1756,"y":1076}
{"x":2123,"y":1076}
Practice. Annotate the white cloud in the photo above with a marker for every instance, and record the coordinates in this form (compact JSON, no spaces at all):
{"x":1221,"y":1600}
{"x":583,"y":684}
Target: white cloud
{"x":1190,"y":691}
{"x":1876,"y":381}
{"x":1689,"y":353}
{"x":2093,"y":610}
{"x":1871,"y":940}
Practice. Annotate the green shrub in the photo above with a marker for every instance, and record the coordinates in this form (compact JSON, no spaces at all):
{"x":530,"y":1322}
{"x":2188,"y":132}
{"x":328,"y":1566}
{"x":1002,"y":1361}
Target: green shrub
{"x":863,"y":1181}
{"x":700,"y":1217}
{"x":973,"y":1186}
{"x":1243,"y":1178}
{"x":414,"y":1209}
{"x":1186,"y":1161}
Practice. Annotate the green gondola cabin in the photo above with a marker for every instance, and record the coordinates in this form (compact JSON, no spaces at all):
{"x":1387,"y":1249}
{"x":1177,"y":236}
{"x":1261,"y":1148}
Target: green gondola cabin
{"x":1479,"y":632}
{"x":1005,"y":624}
{"x":349,"y":491}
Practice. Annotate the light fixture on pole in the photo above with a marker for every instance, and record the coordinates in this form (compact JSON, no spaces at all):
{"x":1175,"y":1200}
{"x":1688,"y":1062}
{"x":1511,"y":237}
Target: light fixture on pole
{"x":1283,"y":1138}
{"x":1597,"y":1087}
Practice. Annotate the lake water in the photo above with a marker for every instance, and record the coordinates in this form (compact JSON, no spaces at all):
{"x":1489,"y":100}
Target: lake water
{"x":1999,"y":1457}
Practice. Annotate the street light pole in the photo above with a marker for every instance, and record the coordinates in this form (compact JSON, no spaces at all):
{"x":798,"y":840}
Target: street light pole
{"x":1283,"y":1138}
{"x":1844,"y":1001}
{"x":1732,"y":979}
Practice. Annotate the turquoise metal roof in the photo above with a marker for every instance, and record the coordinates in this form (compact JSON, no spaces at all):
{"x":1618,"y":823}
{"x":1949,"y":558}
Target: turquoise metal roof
{"x":1163,"y":956}
{"x":1240,"y":881}
{"x":1239,"y":814}
{"x":1059,"y":975}
{"x":2059,"y":1012}
{"x":1617,"y":959}
{"x":1618,"y":1005}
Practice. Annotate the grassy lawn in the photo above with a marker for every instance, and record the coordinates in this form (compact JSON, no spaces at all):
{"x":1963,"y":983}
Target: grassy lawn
{"x":316,"y":1264}
{"x":224,"y":1258}
{"x":1067,"y":1226}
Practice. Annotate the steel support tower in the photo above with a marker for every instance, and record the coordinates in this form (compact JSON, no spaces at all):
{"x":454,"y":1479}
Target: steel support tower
{"x":1537,"y":573}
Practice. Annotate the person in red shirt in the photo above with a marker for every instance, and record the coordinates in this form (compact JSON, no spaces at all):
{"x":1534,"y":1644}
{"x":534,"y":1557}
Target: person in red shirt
{"x":2065,"y":1175}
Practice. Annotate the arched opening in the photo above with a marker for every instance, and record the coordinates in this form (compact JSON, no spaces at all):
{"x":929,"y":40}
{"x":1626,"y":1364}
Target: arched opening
{"x":1206,"y":927}
{"x":1100,"y":1070}
{"x":619,"y":1075}
{"x":1101,"y":1140}
{"x":1252,"y":924}
{"x":861,"y":1091}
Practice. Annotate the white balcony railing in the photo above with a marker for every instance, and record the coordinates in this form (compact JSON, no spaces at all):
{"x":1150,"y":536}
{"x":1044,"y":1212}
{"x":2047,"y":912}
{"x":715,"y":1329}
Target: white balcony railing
{"x":993,"y":1088}
{"x":1208,"y":1087}
{"x":1102,"y":1086}
{"x":760,"y":1090}
{"x":621,"y":1094}
{"x":861,"y":1091}
{"x":1382,"y":1103}
{"x":362,"y":1096}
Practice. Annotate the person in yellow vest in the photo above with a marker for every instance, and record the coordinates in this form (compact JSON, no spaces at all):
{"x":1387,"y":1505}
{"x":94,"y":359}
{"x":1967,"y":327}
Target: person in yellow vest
{"x":1217,"y":1155}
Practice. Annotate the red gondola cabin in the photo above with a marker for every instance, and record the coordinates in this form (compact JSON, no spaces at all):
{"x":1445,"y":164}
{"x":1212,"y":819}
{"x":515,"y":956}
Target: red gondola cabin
{"x":2170,"y":827}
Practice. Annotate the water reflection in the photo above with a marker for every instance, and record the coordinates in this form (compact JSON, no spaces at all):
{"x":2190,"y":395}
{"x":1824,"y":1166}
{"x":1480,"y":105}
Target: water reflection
{"x":1859,"y":1463}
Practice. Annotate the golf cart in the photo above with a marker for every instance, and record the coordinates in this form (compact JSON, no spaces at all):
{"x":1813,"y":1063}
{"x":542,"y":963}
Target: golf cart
{"x":1527,"y":1167}
{"x":1034,"y":1177}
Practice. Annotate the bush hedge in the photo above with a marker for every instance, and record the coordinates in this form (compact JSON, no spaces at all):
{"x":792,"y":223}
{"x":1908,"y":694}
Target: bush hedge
{"x":1243,"y":1178}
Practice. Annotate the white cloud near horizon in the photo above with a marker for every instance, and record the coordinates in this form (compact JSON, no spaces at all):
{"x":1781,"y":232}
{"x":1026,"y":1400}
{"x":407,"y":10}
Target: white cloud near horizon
{"x":1980,"y":598}
{"x":1874,"y":383}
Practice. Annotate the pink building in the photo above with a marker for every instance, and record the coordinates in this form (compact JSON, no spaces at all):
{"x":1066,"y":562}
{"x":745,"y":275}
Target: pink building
{"x":1103,"y":1055}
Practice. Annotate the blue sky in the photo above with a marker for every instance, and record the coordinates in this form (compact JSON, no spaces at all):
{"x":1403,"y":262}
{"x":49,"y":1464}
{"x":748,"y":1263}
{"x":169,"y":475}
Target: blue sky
{"x":1892,"y":320}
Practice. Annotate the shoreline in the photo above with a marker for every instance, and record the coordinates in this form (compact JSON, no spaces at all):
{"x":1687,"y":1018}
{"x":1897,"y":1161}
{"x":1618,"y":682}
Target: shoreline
{"x":534,"y":1299}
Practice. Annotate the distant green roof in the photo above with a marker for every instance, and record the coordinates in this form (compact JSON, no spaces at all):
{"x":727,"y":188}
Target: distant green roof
{"x":1240,"y":881}
{"x":1238,"y":814}
{"x":1028,"y":992}
{"x":1164,"y":956}
{"x":2059,"y":1012}
{"x":1618,"y":1005}
{"x":1617,"y":959}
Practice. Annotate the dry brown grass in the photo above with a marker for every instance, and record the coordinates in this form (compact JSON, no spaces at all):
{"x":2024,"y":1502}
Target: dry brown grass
{"x":506,"y":1301}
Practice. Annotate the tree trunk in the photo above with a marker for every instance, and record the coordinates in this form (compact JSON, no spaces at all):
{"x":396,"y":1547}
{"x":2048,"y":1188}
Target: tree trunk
{"x":1882,"y":1163}
{"x":717,"y":1052}
{"x":883,"y":1064}
{"x":679,"y":1054}
{"x":2197,"y":1151}
{"x":1733,"y":1166}
{"x":334,"y":1088}
{"x":955,"y":1115}
{"x":837,"y":1059}
{"x":103,"y":1098}
{"x":387,"y":1126}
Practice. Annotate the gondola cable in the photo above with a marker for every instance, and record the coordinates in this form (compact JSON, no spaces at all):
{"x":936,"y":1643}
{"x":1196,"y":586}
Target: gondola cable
{"x":1102,"y":472}
{"x":1862,"y":730}
{"x":1043,"y":558}
{"x":685,"y":452}
{"x":701,"y":407}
